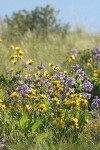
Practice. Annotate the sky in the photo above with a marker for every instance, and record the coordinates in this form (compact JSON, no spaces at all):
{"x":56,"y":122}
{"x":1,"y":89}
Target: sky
{"x":84,"y":13}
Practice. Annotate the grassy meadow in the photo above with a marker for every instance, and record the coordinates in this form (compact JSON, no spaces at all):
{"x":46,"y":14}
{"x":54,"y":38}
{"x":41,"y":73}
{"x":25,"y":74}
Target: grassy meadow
{"x":55,"y":48}
{"x":50,"y":91}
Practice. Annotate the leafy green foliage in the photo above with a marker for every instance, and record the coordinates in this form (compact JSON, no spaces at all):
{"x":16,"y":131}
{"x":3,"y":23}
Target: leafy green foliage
{"x":39,"y":21}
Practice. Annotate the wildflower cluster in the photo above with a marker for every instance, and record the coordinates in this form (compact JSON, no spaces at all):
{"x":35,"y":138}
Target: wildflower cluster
{"x":49,"y":98}
{"x":18,"y":57}
{"x":93,"y":62}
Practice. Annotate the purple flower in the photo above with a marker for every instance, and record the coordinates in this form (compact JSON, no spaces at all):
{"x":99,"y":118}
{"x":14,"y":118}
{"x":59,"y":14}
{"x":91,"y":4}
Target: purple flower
{"x":17,"y":76}
{"x":70,"y":80}
{"x":87,"y":86}
{"x":29,"y":79}
{"x":80,"y":72}
{"x":97,"y":56}
{"x":85,"y":78}
{"x":50,"y":91}
{"x":96,"y":102}
{"x":86,"y":95}
{"x":71,"y":90}
{"x":61,"y":76}
{"x":2,"y":140}
{"x":22,"y":93}
{"x":75,"y":67}
{"x":41,"y":67}
{"x":19,"y":82}
{"x":73,"y":52}
{"x":23,"y":89}
{"x":97,"y":50}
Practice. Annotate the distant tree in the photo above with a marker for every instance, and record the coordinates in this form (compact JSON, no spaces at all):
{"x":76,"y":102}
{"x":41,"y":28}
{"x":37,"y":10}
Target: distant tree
{"x":62,"y":30}
{"x":17,"y":23}
{"x":41,"y":20}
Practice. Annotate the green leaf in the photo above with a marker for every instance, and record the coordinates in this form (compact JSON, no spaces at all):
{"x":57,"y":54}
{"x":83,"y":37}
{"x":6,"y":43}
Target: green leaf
{"x":79,"y":81}
{"x":88,"y":116}
{"x":23,"y":120}
{"x":35,"y":126}
{"x":7,"y":118}
{"x":41,"y":137}
{"x":77,"y":114}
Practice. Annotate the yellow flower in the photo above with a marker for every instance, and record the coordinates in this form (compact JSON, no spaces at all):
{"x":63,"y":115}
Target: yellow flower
{"x":46,"y":74}
{"x":80,"y":95}
{"x":75,"y":103}
{"x":84,"y":101}
{"x":50,"y":64}
{"x":65,"y":72}
{"x":21,"y":52}
{"x":59,"y":113}
{"x":72,"y":57}
{"x":17,"y":48}
{"x":60,"y":122}
{"x":90,"y":59}
{"x":88,"y":64}
{"x":77,"y":126}
{"x":56,"y":92}
{"x":19,"y":107}
{"x":16,"y":56}
{"x":12,"y":56}
{"x":60,"y":88}
{"x":35,"y":97}
{"x":95,"y":74}
{"x":73,"y":95}
{"x":0,"y":40}
{"x":27,"y":95}
{"x":41,"y":107}
{"x":57,"y":82}
{"x":1,"y":90}
{"x":66,"y":102}
{"x":74,"y":120}
{"x":38,"y":73}
{"x":28,"y":107}
{"x":14,"y":62}
{"x":43,"y":96}
{"x":12,"y":70}
{"x":86,"y":120}
{"x":53,"y":114}
{"x":68,"y":93}
{"x":13,"y":95}
{"x":56,"y":100}
{"x":33,"y":92}
{"x":27,"y":75}
{"x":29,"y":62}
{"x":1,"y":100}
{"x":71,"y":126}
{"x":20,"y":57}
{"x":12,"y":46}
{"x":55,"y":68}
{"x":69,"y":60}
{"x":2,"y":106}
